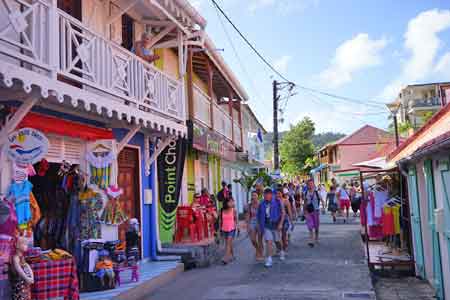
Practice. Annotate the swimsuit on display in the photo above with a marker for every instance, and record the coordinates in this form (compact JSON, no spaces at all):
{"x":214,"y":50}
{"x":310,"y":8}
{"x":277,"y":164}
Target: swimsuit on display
{"x":21,"y":192}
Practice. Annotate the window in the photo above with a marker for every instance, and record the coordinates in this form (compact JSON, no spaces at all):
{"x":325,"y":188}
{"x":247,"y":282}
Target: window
{"x":127,"y":31}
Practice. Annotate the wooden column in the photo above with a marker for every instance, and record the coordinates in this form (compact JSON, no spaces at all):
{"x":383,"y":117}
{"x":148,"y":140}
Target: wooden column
{"x":230,"y":110}
{"x":210,"y":91}
{"x":240,"y":123}
{"x":190,"y":86}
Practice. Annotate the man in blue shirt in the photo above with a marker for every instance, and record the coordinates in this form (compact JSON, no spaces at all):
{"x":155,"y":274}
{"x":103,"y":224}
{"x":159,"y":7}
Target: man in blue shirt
{"x":270,"y":219}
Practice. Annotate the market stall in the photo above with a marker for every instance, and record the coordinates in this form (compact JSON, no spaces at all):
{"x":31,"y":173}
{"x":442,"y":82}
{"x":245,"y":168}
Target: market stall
{"x":385,"y":220}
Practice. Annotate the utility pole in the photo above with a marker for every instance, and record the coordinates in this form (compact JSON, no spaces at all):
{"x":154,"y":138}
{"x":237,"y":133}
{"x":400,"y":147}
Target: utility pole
{"x":276,"y":153}
{"x":397,"y":141}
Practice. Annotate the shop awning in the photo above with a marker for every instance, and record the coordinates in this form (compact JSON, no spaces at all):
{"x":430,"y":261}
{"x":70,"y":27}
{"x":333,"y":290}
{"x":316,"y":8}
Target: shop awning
{"x":378,"y":163}
{"x":49,"y":124}
{"x":347,"y":173}
{"x":318,"y":169}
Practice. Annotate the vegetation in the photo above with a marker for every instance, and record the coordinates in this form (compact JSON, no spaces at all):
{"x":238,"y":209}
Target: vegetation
{"x":296,"y":147}
{"x":247,"y":181}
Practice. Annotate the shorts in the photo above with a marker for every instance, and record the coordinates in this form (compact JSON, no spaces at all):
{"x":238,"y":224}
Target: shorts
{"x":313,"y":220}
{"x":253,"y":226}
{"x":345,"y":203}
{"x":272,"y":235}
{"x":105,"y":272}
{"x":227,"y":234}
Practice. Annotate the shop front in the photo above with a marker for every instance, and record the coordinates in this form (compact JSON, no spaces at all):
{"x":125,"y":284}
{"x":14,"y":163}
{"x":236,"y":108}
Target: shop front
{"x":76,"y":190}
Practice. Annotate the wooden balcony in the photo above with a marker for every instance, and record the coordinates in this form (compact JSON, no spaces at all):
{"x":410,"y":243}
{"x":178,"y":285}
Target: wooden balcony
{"x":44,"y":47}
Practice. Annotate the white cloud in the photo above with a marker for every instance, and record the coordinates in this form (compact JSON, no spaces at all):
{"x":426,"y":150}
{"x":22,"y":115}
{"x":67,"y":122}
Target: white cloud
{"x":282,"y":6}
{"x":352,"y":56}
{"x":423,"y":43}
{"x":281,"y":64}
{"x":196,"y":4}
{"x":443,"y":66}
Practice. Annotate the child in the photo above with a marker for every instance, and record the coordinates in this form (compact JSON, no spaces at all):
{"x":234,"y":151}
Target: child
{"x":228,"y":227}
{"x":104,"y":268}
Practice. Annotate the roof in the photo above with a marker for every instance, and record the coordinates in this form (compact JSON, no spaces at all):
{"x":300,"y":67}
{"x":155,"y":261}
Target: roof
{"x":366,"y":135}
{"x":379,"y":163}
{"x":433,"y":145}
{"x":438,"y":116}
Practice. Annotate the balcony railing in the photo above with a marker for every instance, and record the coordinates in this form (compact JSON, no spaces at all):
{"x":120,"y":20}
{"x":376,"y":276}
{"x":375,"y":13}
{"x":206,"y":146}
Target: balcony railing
{"x":424,"y":103}
{"x":202,"y":106}
{"x":222,"y":122}
{"x":46,"y":40}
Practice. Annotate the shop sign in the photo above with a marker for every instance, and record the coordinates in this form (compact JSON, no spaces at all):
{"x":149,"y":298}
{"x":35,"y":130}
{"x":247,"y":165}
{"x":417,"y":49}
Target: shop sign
{"x":170,"y":175}
{"x":27,"y":146}
{"x":208,"y":141}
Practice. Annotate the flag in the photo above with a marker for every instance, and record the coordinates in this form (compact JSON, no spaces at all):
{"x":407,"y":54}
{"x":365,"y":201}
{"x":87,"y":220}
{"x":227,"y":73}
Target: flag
{"x":259,"y":135}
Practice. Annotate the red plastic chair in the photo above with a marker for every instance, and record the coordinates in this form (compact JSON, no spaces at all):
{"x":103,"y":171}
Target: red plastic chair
{"x":185,"y":221}
{"x":199,"y":224}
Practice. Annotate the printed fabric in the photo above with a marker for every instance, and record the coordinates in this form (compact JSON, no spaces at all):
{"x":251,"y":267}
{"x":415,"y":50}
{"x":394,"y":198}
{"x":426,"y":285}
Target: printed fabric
{"x":35,"y":210}
{"x":21,"y":193}
{"x":20,"y":290}
{"x":113,"y":213}
{"x":90,"y":206}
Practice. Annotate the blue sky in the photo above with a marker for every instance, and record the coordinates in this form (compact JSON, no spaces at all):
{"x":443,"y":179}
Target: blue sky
{"x":365,"y":50}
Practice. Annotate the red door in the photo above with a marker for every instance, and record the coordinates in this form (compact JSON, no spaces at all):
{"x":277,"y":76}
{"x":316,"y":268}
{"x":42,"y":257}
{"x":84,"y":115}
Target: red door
{"x":128,"y":180}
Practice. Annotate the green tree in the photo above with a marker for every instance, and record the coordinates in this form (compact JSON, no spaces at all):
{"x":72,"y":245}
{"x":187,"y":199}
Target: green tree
{"x":311,"y":163}
{"x":297,"y":146}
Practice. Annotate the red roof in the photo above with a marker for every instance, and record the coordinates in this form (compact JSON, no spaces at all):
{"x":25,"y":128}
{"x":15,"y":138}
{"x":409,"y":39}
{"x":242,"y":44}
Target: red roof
{"x":425,"y":127}
{"x":367,"y":135}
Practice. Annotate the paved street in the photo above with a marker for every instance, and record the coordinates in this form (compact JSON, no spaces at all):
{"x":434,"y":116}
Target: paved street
{"x":334,"y":270}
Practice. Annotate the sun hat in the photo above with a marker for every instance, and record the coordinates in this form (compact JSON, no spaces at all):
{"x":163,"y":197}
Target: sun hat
{"x":114,"y":191}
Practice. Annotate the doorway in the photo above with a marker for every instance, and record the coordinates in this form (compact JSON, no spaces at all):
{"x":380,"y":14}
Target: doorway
{"x":128,"y":180}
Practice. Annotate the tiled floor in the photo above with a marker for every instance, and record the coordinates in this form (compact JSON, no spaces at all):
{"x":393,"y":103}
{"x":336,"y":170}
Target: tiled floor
{"x":147,"y":271}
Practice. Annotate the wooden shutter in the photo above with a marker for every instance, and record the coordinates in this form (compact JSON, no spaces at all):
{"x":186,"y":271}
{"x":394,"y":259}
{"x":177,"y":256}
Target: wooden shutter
{"x":65,"y":148}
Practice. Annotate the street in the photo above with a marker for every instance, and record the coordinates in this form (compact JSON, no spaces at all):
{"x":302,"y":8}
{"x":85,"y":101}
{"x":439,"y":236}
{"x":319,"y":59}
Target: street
{"x":335,"y":269}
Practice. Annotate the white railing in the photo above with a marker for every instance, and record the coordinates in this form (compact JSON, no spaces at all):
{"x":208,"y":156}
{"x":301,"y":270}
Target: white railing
{"x":202,"y":106}
{"x":237,"y":134}
{"x":44,"y":39}
{"x":222,"y":122}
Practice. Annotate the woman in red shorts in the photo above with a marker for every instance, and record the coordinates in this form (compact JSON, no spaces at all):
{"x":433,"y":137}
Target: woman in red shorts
{"x":344,"y":200}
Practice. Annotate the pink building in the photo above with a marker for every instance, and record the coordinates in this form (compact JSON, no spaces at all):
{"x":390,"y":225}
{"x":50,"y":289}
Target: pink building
{"x":365,"y":144}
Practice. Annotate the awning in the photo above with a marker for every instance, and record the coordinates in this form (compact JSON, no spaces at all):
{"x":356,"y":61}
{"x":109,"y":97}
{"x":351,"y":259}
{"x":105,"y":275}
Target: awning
{"x":378,"y":163}
{"x":347,"y":173}
{"x":319,"y":168}
{"x":59,"y":126}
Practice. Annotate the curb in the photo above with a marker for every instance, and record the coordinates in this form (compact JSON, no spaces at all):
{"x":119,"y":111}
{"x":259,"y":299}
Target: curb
{"x":149,"y":286}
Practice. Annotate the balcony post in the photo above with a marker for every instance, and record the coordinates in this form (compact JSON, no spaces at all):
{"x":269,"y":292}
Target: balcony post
{"x":230,"y":110}
{"x":210,"y":92}
{"x":240,"y":123}
{"x":190,"y":87}
{"x":182,"y":72}
{"x":53,"y":39}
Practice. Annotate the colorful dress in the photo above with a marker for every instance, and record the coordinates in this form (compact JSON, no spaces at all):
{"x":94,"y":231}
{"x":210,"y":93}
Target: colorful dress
{"x":21,"y":193}
{"x":113,"y":213}
{"x":90,"y":205}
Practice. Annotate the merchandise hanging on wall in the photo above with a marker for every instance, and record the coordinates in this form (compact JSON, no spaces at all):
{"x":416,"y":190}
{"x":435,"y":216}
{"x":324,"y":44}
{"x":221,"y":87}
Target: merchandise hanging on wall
{"x":113,"y":213}
{"x":101,"y":156}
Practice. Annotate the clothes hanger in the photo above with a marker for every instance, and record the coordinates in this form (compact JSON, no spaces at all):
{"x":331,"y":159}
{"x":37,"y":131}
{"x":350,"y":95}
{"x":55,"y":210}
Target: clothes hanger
{"x":100,"y":147}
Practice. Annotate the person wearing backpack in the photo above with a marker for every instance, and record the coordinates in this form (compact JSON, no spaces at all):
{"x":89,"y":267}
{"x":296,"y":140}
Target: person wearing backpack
{"x":312,"y":212}
{"x":271,"y":216}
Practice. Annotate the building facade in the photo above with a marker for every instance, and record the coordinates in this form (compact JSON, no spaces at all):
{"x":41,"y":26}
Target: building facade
{"x":67,"y":71}
{"x":424,"y":160}
{"x":418,"y":102}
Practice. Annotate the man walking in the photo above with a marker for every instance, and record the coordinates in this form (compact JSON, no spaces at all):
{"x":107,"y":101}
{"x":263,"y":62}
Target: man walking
{"x":270,"y":218}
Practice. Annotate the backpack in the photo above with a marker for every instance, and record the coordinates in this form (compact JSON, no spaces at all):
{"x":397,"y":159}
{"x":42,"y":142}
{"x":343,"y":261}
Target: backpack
{"x":310,"y":207}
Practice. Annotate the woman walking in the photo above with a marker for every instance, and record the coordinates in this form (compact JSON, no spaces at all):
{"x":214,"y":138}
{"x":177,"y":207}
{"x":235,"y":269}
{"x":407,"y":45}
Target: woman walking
{"x":312,"y":211}
{"x":332,"y":202}
{"x":252,"y":224}
{"x":344,"y":200}
{"x":287,"y":224}
{"x":228,"y":226}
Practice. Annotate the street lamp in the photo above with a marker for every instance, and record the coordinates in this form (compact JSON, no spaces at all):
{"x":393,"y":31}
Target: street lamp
{"x":393,"y":108}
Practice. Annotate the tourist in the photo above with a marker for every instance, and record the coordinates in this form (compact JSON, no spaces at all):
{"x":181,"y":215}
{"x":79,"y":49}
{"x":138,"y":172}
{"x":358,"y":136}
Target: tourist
{"x":356,"y":198}
{"x":205,"y":200}
{"x":252,"y":224}
{"x":270,"y":219}
{"x":312,"y":213}
{"x":344,"y":200}
{"x":230,"y":190}
{"x":288,"y":223}
{"x":332,"y":202}
{"x":323,"y":194}
{"x":228,"y":227}
{"x":142,"y":48}
{"x":223,"y":193}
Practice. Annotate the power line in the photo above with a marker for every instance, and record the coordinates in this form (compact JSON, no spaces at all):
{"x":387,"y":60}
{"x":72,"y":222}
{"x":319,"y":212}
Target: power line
{"x":247,"y":42}
{"x":268,"y":64}
{"x":238,"y":58}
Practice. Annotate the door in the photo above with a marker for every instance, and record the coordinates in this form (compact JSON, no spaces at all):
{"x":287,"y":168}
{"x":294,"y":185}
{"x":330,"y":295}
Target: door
{"x":128,"y":180}
{"x":127,"y":32}
{"x":444,"y":168}
{"x":416,"y":226}
{"x":431,"y":199}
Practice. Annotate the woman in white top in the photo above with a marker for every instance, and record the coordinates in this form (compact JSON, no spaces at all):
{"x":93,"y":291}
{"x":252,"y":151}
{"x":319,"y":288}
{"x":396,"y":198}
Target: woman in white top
{"x":344,"y":199}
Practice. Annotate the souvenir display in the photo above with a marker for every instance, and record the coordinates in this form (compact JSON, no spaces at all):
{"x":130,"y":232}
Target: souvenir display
{"x":100,"y":159}
{"x":113,"y":213}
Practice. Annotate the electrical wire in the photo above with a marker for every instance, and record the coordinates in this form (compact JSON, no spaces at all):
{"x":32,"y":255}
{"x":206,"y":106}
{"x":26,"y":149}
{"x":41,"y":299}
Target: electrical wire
{"x":238,"y":58}
{"x":268,"y":64}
